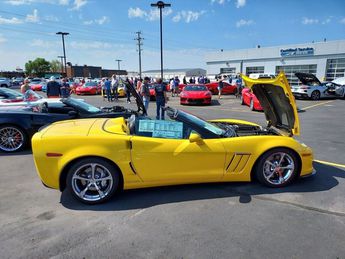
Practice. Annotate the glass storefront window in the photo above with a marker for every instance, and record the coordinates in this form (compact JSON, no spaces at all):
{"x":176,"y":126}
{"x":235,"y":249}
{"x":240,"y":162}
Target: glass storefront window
{"x":335,"y":68}
{"x":291,"y":70}
{"x":255,"y":70}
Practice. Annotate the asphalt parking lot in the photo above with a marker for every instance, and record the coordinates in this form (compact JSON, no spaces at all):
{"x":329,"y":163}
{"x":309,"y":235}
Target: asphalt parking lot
{"x":233,"y":220}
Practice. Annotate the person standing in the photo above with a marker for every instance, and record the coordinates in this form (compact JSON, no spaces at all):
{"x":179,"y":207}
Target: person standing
{"x":239,"y":87}
{"x":145,"y":93}
{"x":65,"y":88}
{"x":176,"y":84}
{"x":25,"y":86}
{"x":107,"y":86}
{"x":127,"y":89}
{"x":220,"y":87}
{"x":53,"y":88}
{"x":184,"y":80}
{"x":140,"y":83}
{"x":114,"y":86}
{"x":172,"y":86}
{"x":161,"y":99}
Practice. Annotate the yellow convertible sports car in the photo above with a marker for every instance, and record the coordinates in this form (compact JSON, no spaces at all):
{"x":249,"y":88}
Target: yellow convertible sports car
{"x":93,"y":158}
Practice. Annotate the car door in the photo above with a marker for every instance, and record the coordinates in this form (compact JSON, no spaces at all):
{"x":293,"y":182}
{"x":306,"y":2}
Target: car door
{"x":177,"y":160}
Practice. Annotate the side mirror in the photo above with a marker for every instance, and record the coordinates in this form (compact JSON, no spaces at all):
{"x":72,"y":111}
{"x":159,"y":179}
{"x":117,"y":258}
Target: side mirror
{"x":195,"y":138}
{"x":72,"y":114}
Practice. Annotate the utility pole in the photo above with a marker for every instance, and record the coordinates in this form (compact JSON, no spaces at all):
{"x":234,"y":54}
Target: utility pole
{"x":139,"y":39}
{"x":61,"y":58}
{"x":63,"y":46}
{"x":161,"y":5}
{"x":118,"y":63}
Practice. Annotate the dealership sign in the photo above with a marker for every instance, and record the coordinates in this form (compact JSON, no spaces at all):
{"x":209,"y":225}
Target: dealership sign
{"x":296,"y":52}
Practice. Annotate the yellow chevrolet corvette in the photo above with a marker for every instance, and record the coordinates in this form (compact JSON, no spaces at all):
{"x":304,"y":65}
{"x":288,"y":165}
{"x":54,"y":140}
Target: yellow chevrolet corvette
{"x":93,"y":158}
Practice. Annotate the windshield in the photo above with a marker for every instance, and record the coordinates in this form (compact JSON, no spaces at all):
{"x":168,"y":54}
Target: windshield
{"x":30,"y":96}
{"x":201,"y":123}
{"x":11,"y":93}
{"x":88,"y":84}
{"x":195,"y":88}
{"x":81,"y":105}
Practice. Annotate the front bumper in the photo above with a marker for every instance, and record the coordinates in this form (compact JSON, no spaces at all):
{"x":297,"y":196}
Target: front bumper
{"x":310,"y":174}
{"x":195,"y":101}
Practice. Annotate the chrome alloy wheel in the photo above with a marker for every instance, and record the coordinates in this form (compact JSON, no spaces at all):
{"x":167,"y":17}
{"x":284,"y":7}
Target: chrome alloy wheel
{"x":11,"y":139}
{"x":278,"y":168}
{"x":92,"y":182}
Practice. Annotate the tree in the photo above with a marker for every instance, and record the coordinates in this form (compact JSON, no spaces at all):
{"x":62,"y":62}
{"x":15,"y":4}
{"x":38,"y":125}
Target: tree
{"x":38,"y":67}
{"x":55,"y":66}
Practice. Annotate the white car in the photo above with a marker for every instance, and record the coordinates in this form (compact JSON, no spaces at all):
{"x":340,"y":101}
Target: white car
{"x":5,"y":82}
{"x":312,"y":88}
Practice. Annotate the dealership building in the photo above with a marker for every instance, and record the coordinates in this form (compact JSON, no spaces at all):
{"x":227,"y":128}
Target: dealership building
{"x":325,"y":59}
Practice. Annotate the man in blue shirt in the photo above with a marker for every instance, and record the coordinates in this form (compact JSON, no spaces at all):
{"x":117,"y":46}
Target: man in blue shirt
{"x":107,"y":86}
{"x":161,"y":98}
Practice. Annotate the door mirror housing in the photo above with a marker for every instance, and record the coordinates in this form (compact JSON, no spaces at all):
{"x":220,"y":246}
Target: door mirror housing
{"x":195,"y":138}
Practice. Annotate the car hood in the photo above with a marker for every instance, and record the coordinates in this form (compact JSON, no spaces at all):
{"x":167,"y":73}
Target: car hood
{"x":195,"y":93}
{"x":308,"y":79}
{"x":138,"y":98}
{"x":277,"y":102}
{"x":339,"y":81}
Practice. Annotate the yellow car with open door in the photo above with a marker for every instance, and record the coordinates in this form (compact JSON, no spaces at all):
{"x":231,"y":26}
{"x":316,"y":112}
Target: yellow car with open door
{"x":93,"y":158}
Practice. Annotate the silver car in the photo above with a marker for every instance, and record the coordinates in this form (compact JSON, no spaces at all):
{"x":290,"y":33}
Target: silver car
{"x":312,"y":88}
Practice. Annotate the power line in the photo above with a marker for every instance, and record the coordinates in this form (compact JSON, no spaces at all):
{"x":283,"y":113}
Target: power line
{"x":139,"y":39}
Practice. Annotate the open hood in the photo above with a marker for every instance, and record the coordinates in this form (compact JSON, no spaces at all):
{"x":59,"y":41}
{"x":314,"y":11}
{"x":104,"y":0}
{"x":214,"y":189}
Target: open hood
{"x":308,"y":79}
{"x":277,"y":102}
{"x":138,"y":98}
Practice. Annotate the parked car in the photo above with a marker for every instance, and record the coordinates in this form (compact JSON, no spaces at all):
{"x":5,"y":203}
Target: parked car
{"x":30,"y":98}
{"x":249,"y":99}
{"x":89,"y":88}
{"x":312,"y":88}
{"x":108,"y":155}
{"x":227,"y":88}
{"x":18,"y":126}
{"x":38,"y":86}
{"x":17,"y":80}
{"x":5,"y":82}
{"x":10,"y":96}
{"x":195,"y":94}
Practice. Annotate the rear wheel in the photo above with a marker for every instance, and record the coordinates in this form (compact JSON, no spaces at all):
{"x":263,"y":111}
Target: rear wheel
{"x":12,"y":138}
{"x":242,"y":100}
{"x":315,"y":95}
{"x":277,"y":168}
{"x":251,"y":105}
{"x":93,"y":180}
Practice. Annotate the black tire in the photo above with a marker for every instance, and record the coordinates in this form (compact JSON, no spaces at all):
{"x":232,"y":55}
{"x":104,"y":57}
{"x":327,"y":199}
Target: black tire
{"x":81,"y":185}
{"x":12,"y":138}
{"x":286,"y":177}
{"x":242,"y":101}
{"x":315,"y":95}
{"x":251,"y":105}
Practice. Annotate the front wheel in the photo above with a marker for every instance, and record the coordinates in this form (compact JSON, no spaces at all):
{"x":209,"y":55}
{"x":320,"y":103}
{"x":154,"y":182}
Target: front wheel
{"x":93,"y":180}
{"x":12,"y":138}
{"x":277,"y":168}
{"x":315,"y":95}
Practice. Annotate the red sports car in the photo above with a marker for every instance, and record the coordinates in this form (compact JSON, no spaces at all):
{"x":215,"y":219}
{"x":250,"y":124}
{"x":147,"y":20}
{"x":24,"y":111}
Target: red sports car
{"x":37,"y":86}
{"x":248,"y":98}
{"x":195,"y":94}
{"x":227,"y":88}
{"x":88,"y":88}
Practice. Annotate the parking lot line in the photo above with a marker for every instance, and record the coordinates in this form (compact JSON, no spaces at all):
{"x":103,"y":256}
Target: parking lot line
{"x":318,"y":104}
{"x":329,"y":163}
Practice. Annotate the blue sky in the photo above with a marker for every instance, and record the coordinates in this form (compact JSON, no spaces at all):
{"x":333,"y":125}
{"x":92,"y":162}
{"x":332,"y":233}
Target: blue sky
{"x":103,"y":30}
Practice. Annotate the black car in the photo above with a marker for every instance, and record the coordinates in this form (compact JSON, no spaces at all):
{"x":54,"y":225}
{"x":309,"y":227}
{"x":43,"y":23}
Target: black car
{"x":17,"y":125}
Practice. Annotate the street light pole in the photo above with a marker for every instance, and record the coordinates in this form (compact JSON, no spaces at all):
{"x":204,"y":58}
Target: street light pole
{"x":63,"y":46}
{"x":118,"y":63}
{"x":161,"y":5}
{"x":61,"y":58}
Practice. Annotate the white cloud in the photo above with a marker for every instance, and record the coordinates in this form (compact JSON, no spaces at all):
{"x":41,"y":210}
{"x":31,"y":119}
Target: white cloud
{"x":243,"y":22}
{"x":188,"y":16}
{"x":43,"y":44}
{"x":33,"y":18}
{"x":152,"y":15}
{"x":328,"y":20}
{"x":309,"y":21}
{"x":90,"y":45}
{"x":77,"y":4}
{"x":240,"y":3}
{"x":136,"y":12}
{"x":13,"y":20}
{"x":218,"y":1}
{"x":342,"y":21}
{"x":51,"y":18}
{"x":100,"y":21}
{"x":2,"y":39}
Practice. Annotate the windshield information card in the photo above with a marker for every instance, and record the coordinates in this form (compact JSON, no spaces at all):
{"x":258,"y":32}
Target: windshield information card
{"x":162,"y":129}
